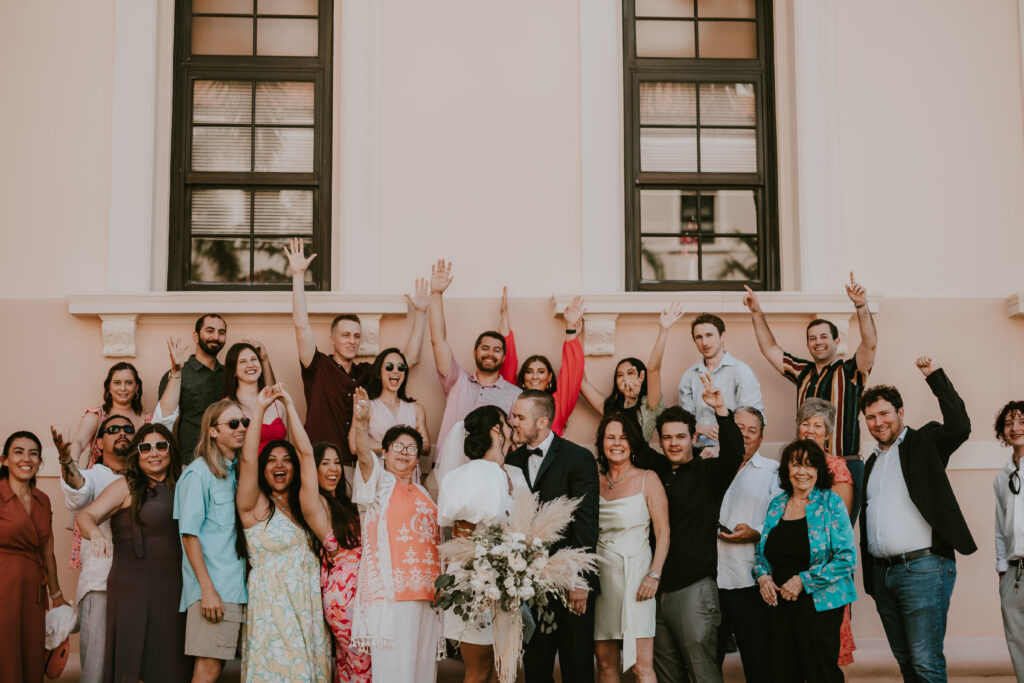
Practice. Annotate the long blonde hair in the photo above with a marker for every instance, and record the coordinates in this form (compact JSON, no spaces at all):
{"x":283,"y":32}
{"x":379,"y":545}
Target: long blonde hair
{"x":207,"y":448}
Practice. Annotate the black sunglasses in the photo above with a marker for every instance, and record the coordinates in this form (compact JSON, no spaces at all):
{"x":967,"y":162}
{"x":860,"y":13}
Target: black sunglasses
{"x":233,"y":424}
{"x":161,"y":447}
{"x":1014,"y":482}
{"x":402,"y":367}
{"x":117,"y":429}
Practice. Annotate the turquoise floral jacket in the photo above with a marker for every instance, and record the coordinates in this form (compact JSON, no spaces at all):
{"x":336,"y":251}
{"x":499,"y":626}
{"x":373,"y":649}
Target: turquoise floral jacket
{"x":829,"y":581}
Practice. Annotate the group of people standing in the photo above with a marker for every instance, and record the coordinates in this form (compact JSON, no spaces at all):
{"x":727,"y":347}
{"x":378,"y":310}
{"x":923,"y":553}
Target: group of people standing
{"x":224,"y":523}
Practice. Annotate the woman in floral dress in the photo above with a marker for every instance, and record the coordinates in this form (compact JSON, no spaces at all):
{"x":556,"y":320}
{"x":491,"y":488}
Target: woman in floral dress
{"x":335,"y":520}
{"x":285,"y":635}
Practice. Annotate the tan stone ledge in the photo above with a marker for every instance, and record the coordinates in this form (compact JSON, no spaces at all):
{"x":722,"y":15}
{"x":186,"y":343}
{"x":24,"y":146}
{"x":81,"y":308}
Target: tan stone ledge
{"x":1015,"y":305}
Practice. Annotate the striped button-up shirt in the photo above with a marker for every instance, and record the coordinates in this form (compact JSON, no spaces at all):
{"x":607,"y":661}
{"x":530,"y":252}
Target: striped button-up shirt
{"x":840,"y":383}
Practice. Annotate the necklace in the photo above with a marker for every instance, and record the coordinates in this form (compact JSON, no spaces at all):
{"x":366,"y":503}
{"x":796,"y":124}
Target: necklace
{"x":612,"y":483}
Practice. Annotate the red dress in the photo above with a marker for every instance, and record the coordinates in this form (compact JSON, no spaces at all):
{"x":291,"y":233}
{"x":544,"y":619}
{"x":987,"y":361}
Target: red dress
{"x":339,"y":578}
{"x":274,"y":430}
{"x":841,"y":475}
{"x":570,"y":378}
{"x":23,"y":537}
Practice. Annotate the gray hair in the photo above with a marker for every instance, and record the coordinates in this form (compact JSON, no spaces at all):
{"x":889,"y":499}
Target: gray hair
{"x":750,"y":410}
{"x":812,"y":407}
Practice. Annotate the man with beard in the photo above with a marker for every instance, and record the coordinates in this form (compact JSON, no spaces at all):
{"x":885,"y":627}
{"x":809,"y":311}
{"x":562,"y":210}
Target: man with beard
{"x":201,"y":381}
{"x":828,"y":375}
{"x":81,"y":488}
{"x":463,"y":390}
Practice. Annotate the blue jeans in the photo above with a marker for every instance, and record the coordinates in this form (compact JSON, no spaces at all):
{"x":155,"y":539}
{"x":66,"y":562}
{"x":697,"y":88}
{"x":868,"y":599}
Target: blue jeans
{"x":912,"y":599}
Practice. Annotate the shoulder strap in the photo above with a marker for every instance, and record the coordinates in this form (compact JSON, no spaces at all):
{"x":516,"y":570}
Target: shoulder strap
{"x":643,"y":481}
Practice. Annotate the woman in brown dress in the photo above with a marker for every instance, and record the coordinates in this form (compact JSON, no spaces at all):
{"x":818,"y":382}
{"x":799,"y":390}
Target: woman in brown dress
{"x":27,"y":566}
{"x":145,"y":630}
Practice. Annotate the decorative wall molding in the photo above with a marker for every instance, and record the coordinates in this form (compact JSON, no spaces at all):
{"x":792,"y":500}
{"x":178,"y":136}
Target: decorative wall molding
{"x":599,"y":334}
{"x":1015,"y":302}
{"x":118,"y":335}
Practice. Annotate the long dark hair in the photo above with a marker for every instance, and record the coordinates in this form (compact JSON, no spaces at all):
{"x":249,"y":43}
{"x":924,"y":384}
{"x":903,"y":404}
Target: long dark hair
{"x":374,"y":385}
{"x":231,"y":369}
{"x":294,"y":506}
{"x":344,"y":514}
{"x":108,"y":399}
{"x":138,"y":482}
{"x":616,"y":401}
{"x":478,"y":425}
{"x":4,"y":472}
{"x":521,"y":377}
{"x":633,"y":436}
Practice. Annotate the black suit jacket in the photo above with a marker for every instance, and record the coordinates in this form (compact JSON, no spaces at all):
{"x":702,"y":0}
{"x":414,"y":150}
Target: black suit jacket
{"x":568,"y":470}
{"x":924,"y":455}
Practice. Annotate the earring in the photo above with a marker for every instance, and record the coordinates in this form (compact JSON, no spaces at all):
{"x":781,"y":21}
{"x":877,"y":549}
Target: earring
{"x":138,"y":395}
{"x":107,"y":396}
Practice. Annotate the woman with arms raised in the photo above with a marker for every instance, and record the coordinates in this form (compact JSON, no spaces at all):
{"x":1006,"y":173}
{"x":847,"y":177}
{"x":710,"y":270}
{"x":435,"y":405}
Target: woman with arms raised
{"x":285,"y":638}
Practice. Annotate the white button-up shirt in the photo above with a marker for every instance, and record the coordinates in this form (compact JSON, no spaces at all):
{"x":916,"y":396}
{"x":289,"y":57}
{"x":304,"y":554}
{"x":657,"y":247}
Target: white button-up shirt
{"x":745,"y":501}
{"x":1009,"y":519}
{"x":536,"y":461}
{"x":94,"y":569}
{"x":738,"y":383}
{"x":894,"y":524}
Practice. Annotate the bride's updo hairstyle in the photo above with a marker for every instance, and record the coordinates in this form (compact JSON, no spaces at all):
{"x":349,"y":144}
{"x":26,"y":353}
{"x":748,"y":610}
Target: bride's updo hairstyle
{"x":478,"y":425}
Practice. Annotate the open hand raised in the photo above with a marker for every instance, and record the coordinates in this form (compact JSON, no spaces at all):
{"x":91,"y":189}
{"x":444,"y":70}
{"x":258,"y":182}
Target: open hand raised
{"x":420,"y":298}
{"x":440,"y":276}
{"x":295,"y":253}
{"x":360,"y":406}
{"x":178,"y":351}
{"x":671,"y":314}
{"x":62,"y":443}
{"x":574,"y":313}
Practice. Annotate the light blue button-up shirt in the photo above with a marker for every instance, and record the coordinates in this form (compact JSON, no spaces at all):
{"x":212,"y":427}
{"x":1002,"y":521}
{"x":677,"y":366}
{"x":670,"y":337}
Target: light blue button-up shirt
{"x":735,"y":379}
{"x":204,"y":506}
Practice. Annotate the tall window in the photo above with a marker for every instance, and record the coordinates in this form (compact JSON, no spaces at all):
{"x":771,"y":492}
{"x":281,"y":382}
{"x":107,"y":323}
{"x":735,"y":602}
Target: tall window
{"x":700,"y":145}
{"x":251,"y":143}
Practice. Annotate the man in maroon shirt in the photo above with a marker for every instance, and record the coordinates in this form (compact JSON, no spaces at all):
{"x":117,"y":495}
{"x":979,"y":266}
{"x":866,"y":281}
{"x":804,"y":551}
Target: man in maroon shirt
{"x":330,"y":380}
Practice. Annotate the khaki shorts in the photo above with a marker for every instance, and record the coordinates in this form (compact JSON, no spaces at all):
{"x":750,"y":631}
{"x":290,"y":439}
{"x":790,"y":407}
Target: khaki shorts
{"x":203,"y":638}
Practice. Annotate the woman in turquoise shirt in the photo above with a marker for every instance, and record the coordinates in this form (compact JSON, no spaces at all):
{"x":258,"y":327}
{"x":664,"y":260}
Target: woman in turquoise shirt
{"x":806,"y":557}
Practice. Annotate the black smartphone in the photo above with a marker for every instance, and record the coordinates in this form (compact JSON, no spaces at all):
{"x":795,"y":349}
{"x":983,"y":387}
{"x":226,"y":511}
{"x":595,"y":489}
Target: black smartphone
{"x":724,"y":529}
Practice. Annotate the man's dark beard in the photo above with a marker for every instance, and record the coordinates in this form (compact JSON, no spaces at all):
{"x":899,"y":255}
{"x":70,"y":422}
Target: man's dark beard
{"x":497,"y":366}
{"x":210,"y":348}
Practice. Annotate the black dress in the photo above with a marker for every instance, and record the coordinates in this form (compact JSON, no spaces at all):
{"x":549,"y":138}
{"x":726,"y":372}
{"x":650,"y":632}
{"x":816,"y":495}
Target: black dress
{"x":804,"y":641}
{"x":145,"y":630}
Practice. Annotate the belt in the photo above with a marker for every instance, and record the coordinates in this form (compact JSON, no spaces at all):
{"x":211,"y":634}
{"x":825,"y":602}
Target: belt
{"x":894,"y":560}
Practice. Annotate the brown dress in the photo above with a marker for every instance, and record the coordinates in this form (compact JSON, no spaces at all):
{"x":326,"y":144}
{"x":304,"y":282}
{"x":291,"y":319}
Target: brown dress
{"x":23,"y":537}
{"x":145,"y":630}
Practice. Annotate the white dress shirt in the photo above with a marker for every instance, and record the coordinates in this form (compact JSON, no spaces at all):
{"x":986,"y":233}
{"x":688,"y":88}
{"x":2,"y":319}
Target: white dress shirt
{"x":536,"y":461}
{"x":738,"y":383}
{"x":745,"y":501}
{"x":1009,"y":519}
{"x":894,"y":524}
{"x":94,"y":569}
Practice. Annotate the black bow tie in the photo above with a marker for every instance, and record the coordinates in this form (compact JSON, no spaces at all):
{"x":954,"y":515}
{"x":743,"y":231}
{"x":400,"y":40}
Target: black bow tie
{"x":535,"y":451}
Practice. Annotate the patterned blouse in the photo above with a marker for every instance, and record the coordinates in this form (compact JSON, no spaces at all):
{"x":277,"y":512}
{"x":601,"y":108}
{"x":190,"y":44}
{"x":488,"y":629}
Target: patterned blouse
{"x":829,"y":580}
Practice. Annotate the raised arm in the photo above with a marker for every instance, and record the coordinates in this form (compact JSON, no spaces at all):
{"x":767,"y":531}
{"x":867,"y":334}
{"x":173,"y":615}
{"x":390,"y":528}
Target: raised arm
{"x":868,"y":334}
{"x":361,"y":425}
{"x":268,"y":370}
{"x":669,"y":317}
{"x":248,"y":495}
{"x":298,"y":263}
{"x":170,"y":393}
{"x":730,"y":440}
{"x":68,"y":468}
{"x":83,"y":437}
{"x":593,"y":396}
{"x":420,"y":302}
{"x":314,"y":509}
{"x":440,"y":280}
{"x":510,"y":366}
{"x":770,"y":349}
{"x":955,"y":428}
{"x":657,"y":506}
{"x":113,"y":498}
{"x":421,"y":427}
{"x":570,"y":374}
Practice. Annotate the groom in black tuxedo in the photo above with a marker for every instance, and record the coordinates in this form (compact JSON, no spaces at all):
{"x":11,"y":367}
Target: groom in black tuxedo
{"x":555,"y":467}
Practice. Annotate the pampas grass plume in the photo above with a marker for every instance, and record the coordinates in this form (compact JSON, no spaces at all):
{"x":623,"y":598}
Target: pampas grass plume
{"x":551,"y":519}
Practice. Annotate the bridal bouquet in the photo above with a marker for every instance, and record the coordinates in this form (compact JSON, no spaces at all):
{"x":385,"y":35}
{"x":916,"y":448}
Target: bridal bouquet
{"x":496,"y":570}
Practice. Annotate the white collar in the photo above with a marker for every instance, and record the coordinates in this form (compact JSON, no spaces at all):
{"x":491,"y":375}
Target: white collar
{"x":897,"y":442}
{"x":544,"y":445}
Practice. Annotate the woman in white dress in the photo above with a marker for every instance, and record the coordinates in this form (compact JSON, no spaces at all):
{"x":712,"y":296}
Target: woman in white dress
{"x":479,"y":492}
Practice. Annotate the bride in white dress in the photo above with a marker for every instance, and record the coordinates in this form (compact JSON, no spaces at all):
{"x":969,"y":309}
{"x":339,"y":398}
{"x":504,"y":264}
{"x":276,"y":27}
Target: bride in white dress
{"x":478,"y":492}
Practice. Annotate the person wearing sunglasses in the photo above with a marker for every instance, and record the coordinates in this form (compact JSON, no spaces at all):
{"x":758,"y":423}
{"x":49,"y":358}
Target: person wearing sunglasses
{"x":389,"y":404}
{"x":213,"y":594}
{"x":145,"y":630}
{"x":1009,"y":428}
{"x":81,"y":488}
{"x":400,"y":538}
{"x":911,"y":524}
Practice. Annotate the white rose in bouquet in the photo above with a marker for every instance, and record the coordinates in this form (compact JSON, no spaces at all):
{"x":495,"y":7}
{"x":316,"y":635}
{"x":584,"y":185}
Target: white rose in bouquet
{"x":517,"y":563}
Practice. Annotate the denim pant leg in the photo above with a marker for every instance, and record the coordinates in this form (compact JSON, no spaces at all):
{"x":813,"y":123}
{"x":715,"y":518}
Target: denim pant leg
{"x":913,"y":601}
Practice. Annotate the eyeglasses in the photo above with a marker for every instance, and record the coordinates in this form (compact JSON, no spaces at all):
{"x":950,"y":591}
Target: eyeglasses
{"x":410,"y":449}
{"x":1015,"y":482}
{"x":161,"y":447}
{"x":117,"y":429}
{"x":401,"y":367}
{"x":233,"y":424}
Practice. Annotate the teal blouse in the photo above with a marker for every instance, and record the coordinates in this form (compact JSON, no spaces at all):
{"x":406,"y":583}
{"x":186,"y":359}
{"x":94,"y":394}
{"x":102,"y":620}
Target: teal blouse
{"x":829,"y":580}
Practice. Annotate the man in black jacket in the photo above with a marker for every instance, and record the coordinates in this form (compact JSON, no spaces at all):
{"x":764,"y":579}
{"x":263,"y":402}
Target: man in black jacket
{"x":911,"y":523}
{"x":555,"y":467}
{"x":688,"y":614}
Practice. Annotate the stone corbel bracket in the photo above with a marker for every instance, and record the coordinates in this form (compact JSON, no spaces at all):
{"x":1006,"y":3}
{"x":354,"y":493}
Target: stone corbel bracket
{"x":1015,"y":305}
{"x":603,"y":311}
{"x":120,"y":313}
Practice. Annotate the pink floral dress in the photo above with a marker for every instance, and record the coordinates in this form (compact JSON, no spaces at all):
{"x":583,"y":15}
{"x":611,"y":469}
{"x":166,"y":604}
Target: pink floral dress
{"x":339,"y":571}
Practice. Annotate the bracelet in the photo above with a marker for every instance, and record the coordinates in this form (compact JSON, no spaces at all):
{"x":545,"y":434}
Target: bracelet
{"x":174,"y":376}
{"x":859,"y":305}
{"x":54,"y":596}
{"x":654,"y":575}
{"x":568,"y":331}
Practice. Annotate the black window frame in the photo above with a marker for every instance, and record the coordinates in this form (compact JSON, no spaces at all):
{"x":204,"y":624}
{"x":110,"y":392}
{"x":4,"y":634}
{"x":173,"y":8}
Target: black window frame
{"x":760,"y":72}
{"x":187,"y":69}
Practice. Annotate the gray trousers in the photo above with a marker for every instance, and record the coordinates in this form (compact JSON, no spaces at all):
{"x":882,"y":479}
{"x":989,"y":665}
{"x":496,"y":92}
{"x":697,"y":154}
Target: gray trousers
{"x":92,"y":635}
{"x":686,"y":634}
{"x":1013,"y":618}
